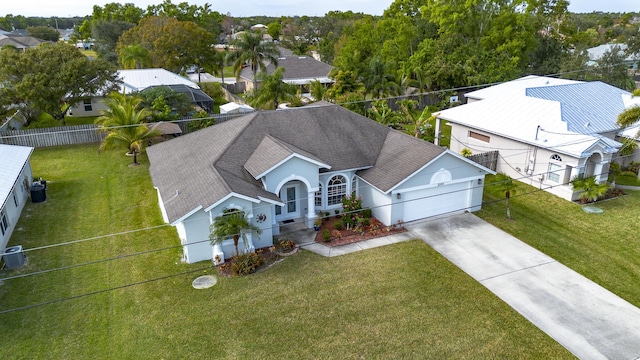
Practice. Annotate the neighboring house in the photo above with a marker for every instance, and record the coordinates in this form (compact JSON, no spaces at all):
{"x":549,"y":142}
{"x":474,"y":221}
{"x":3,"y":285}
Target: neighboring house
{"x":596,"y":53}
{"x":547,"y":131}
{"x":289,"y":164}
{"x":21,"y":42}
{"x":15,"y":178}
{"x":298,"y":70}
{"x":137,"y":80}
{"x":235,"y":108}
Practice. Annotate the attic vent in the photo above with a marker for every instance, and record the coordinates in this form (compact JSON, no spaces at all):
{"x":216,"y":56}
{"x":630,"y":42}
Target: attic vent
{"x":302,"y":57}
{"x":282,"y":58}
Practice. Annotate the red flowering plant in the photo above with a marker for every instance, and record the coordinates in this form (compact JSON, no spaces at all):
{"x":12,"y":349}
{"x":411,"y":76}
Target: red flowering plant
{"x":351,"y":206}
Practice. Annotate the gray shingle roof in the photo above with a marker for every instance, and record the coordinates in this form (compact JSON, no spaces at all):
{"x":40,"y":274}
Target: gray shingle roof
{"x":269,"y":153}
{"x":400,"y":157}
{"x":296,"y":68}
{"x":207,"y":165}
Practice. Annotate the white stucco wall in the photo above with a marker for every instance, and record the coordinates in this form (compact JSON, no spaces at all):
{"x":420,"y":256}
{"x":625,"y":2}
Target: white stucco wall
{"x":194,"y":230}
{"x":293,"y":169}
{"x":324,"y":180}
{"x":529,"y":164}
{"x":97,"y":105}
{"x":12,"y":210}
{"x":378,"y":202}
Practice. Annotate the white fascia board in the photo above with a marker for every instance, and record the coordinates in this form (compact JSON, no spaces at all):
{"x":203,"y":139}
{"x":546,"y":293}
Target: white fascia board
{"x":185,"y":216}
{"x":444,"y":153}
{"x":427,"y":186}
{"x":270,"y":201}
{"x":304,"y":158}
{"x":239,"y":196}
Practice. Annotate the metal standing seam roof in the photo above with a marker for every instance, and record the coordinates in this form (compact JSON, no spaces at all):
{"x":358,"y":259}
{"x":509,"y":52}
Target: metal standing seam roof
{"x":12,"y":161}
{"x":139,"y":79}
{"x":518,"y":118}
{"x":587,"y":108}
{"x":200,"y":169}
{"x":517,"y":87}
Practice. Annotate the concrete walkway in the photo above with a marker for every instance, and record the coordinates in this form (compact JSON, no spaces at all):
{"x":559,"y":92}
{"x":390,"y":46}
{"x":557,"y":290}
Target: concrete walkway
{"x":588,"y":320}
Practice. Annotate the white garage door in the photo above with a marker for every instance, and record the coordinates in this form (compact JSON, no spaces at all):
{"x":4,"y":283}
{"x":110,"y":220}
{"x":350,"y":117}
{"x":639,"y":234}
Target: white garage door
{"x":435,"y":201}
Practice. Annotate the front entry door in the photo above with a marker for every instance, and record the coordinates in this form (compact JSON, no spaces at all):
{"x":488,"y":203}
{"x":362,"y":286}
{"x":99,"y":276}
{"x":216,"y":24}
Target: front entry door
{"x":289,"y":196}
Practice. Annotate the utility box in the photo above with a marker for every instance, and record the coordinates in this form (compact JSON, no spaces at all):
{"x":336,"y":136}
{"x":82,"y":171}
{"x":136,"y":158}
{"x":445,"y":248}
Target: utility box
{"x":13,"y":257}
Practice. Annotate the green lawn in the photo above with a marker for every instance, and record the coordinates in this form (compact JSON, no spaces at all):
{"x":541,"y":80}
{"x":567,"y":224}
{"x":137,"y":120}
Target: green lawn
{"x":603,"y":247}
{"x":400,"y":301}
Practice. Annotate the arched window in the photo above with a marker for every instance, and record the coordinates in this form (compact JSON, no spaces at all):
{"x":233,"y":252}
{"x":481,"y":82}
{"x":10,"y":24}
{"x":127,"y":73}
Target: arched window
{"x":336,"y":190}
{"x":553,"y":173}
{"x":319,"y":196}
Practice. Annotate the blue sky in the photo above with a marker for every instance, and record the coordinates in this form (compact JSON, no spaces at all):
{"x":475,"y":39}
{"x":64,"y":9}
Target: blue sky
{"x":261,"y":7}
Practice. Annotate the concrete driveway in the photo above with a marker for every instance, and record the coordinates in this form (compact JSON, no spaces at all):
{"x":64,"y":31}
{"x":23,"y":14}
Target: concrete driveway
{"x":585,"y":318}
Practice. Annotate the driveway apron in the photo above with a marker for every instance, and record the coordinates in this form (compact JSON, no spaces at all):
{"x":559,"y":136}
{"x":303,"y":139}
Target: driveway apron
{"x":585,"y":318}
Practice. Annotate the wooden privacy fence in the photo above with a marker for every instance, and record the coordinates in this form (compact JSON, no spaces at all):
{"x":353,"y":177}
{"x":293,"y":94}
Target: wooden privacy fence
{"x":487,"y":159}
{"x":78,"y":134}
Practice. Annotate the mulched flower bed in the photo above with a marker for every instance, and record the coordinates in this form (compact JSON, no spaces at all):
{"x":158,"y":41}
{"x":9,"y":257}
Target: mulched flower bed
{"x":374,"y":230}
{"x":269,"y":258}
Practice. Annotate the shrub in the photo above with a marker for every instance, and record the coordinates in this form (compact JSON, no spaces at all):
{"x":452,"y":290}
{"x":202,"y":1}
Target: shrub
{"x":633,"y":166}
{"x":326,"y":235}
{"x":246,"y":264}
{"x":336,"y":234}
{"x":351,"y":206}
{"x":337,"y":225}
{"x":286,"y":244}
{"x":337,"y":212}
{"x":366,"y":213}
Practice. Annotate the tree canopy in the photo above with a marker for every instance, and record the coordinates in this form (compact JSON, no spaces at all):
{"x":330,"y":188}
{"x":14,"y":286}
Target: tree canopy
{"x":51,"y":78}
{"x":172,"y":44}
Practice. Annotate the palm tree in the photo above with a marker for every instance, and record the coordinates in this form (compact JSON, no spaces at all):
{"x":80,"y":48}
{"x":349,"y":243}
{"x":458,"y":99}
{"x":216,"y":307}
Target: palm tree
{"x":234,"y":225}
{"x":272,"y":91}
{"x":631,"y":115}
{"x":506,"y":186}
{"x":124,"y":121}
{"x":134,"y":57}
{"x":250,"y":49}
{"x":317,"y":90}
{"x":589,"y":188}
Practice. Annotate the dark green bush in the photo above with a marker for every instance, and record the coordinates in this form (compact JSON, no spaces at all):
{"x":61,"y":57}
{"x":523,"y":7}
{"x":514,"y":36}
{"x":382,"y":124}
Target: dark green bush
{"x":337,"y":225}
{"x":245,"y":264}
{"x":326,"y":235}
{"x":366,"y":213}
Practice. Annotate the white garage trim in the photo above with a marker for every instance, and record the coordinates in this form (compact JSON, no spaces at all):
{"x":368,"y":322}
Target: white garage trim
{"x":438,"y":200}
{"x":430,"y":186}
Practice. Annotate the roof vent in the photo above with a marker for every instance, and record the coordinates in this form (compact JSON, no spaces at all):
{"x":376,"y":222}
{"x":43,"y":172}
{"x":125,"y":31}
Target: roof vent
{"x":586,"y":124}
{"x":302,"y":57}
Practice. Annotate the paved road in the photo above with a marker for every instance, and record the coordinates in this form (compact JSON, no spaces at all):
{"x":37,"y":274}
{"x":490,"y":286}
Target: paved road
{"x":585,"y":318}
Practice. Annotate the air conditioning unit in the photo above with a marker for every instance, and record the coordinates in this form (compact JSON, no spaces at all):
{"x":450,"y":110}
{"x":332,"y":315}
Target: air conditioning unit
{"x":13,"y":257}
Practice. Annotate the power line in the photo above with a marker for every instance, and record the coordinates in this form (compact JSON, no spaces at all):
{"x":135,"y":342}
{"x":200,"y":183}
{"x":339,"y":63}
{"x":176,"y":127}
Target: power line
{"x":212,"y":266}
{"x":7,"y":311}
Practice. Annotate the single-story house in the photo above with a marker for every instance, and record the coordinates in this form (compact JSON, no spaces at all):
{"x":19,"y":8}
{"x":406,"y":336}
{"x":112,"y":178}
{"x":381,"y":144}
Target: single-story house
{"x":298,"y":70}
{"x":547,"y":131}
{"x":235,"y":108}
{"x":136,"y":80}
{"x":287,"y":165}
{"x":15,"y":179}
{"x":596,"y":53}
{"x":21,"y":42}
